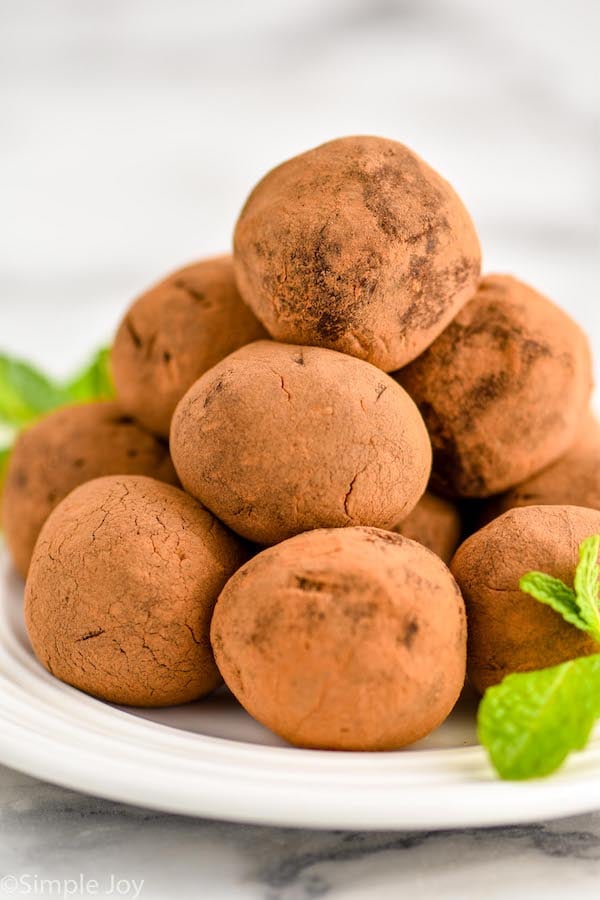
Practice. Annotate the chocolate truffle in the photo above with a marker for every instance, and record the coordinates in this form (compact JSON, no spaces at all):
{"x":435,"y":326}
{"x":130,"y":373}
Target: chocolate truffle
{"x":358,"y":246}
{"x":63,"y":450}
{"x":509,"y":631}
{"x":502,"y":390}
{"x":343,"y":639}
{"x":173,"y":333}
{"x":121,"y":590}
{"x":573,"y":480}
{"x":278,"y":439}
{"x":435,"y":523}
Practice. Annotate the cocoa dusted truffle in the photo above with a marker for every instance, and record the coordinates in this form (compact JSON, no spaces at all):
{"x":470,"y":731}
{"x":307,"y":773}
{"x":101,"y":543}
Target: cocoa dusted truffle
{"x":502,"y":390}
{"x":278,"y":439}
{"x":359,"y":246}
{"x":63,"y":450}
{"x":175,"y":332}
{"x":573,"y":480}
{"x":435,"y":523}
{"x":509,"y":631}
{"x":344,"y":639}
{"x":121,"y":591}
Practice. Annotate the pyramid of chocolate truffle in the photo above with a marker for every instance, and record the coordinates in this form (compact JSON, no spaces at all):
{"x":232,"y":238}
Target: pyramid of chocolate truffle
{"x":340,"y":396}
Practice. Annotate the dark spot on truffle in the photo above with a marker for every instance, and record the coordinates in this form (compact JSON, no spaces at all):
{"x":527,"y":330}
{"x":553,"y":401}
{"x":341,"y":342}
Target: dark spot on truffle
{"x":215,"y":388}
{"x":310,"y":584}
{"x":360,"y":610}
{"x":383,"y":537}
{"x":133,"y":334}
{"x":198,"y":296}
{"x":91,"y":634}
{"x":411,"y":629}
{"x":19,"y":479}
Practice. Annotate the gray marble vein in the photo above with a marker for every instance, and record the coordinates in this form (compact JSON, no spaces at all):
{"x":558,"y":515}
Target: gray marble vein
{"x":57,"y":834}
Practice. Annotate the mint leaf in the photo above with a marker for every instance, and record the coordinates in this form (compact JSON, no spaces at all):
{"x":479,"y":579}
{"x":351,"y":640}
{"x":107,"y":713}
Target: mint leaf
{"x":94,"y":382}
{"x":555,"y":593}
{"x":580,"y":605}
{"x":586,"y":584}
{"x":4,"y":457}
{"x":25,"y":392}
{"x":532,"y":720}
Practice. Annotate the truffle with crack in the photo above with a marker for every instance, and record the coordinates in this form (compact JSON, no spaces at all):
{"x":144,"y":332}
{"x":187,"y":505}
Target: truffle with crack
{"x":63,"y":450}
{"x":343,"y":639}
{"x":173,"y":333}
{"x":278,"y":439}
{"x":358,"y":246}
{"x":121,"y":591}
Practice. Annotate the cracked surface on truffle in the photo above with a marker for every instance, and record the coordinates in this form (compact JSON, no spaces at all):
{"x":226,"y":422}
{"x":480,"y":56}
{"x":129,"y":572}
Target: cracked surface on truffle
{"x":121,"y":591}
{"x":277,"y":439}
{"x":63,"y":450}
{"x":502,"y":390}
{"x":175,"y":332}
{"x":349,"y":639}
{"x":359,"y":246}
{"x":509,"y":631}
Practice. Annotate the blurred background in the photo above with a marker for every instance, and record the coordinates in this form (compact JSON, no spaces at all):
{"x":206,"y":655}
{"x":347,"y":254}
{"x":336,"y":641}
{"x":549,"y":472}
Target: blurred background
{"x":132,"y":130}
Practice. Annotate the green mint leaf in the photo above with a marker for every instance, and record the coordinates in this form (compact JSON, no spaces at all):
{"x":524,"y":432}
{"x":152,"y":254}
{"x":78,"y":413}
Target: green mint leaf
{"x":580,"y":605}
{"x":4,"y":457}
{"x":555,"y":593}
{"x":586,"y":584}
{"x":532,"y":720}
{"x":25,"y":393}
{"x":94,"y":382}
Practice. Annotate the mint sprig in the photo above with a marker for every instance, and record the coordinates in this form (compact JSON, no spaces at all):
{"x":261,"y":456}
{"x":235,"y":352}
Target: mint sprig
{"x":25,"y":392}
{"x":578,"y":605}
{"x":531,"y":721}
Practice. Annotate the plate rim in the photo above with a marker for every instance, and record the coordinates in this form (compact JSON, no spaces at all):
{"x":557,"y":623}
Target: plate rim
{"x":54,"y":732}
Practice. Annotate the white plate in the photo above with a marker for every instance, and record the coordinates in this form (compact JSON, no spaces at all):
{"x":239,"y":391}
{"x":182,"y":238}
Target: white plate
{"x":211,"y":759}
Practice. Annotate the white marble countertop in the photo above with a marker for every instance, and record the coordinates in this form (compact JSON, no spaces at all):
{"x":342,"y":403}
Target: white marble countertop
{"x":131,"y":132}
{"x":49,"y":834}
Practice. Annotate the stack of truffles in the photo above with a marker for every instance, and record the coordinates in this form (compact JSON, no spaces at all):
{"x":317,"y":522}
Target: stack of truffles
{"x":275,"y":497}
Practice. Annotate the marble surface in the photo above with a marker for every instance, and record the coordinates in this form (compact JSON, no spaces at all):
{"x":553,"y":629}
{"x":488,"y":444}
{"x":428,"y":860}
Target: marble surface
{"x":47,"y":833}
{"x":131,"y":132}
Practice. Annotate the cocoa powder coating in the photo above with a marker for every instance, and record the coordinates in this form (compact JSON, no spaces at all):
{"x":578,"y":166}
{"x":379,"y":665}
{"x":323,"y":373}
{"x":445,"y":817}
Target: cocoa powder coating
{"x":277,"y":439}
{"x":343,"y":639}
{"x":435,"y":523}
{"x":121,"y":591}
{"x":509,"y":631}
{"x":358,"y":246}
{"x":63,"y":450}
{"x":573,"y":480}
{"x":502,"y":390}
{"x":175,"y":332}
